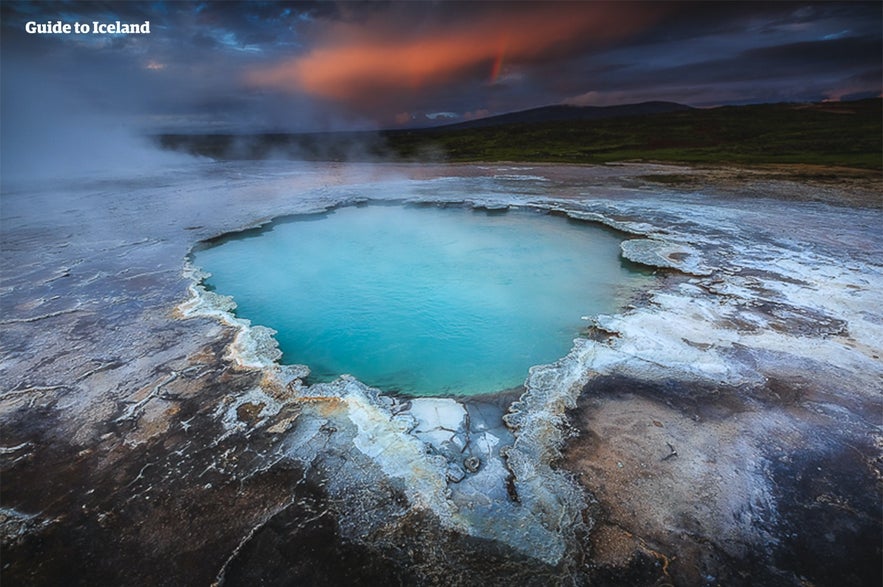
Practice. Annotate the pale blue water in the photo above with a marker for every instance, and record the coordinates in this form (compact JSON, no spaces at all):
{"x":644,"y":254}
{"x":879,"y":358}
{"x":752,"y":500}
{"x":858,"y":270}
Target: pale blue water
{"x":423,"y":301}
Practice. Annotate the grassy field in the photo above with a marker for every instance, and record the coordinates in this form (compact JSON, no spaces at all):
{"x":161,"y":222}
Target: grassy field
{"x":844,"y":134}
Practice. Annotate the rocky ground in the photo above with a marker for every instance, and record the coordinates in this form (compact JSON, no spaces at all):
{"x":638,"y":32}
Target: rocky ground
{"x":725,"y":428}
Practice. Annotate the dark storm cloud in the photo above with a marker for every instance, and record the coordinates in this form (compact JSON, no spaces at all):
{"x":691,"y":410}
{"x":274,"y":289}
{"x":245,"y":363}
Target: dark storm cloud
{"x":811,"y":59}
{"x":698,"y":20}
{"x":825,"y":53}
{"x":807,"y":70}
{"x":196,"y":54}
{"x":314,"y":65}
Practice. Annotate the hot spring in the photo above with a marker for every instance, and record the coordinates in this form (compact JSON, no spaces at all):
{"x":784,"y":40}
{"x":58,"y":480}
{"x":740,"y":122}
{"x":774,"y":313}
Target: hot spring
{"x":426,"y":300}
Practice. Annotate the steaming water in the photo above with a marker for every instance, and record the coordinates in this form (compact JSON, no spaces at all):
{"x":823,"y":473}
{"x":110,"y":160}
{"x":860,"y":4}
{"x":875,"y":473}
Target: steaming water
{"x":423,"y":301}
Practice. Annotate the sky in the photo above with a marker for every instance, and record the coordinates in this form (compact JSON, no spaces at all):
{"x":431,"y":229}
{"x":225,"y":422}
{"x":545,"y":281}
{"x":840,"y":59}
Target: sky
{"x":319,"y":66}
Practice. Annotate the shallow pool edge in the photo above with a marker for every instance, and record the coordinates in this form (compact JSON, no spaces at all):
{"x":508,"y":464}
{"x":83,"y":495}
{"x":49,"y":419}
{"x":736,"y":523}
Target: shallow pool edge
{"x":524,"y":465}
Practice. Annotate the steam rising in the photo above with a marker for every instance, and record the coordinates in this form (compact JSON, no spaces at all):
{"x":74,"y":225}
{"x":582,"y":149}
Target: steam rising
{"x":51,"y":131}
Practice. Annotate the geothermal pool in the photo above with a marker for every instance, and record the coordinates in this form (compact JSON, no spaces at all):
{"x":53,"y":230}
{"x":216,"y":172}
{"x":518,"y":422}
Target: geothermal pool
{"x":422,"y":300}
{"x":128,"y":418}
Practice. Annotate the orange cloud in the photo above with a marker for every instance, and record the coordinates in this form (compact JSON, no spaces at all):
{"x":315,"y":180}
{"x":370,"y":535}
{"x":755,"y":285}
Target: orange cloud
{"x":356,"y":61}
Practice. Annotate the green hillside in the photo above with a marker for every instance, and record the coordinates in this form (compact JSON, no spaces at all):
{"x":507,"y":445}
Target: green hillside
{"x":848,"y":134}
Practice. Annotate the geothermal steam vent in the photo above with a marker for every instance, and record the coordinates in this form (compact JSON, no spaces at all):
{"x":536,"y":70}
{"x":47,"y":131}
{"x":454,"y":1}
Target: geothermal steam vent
{"x":422,"y":300}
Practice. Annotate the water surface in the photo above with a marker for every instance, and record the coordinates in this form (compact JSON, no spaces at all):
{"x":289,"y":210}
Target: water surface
{"x":422,"y":301}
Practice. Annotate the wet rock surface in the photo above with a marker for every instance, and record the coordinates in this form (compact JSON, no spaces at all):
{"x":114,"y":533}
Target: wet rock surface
{"x":720,"y":486}
{"x":723,"y":429}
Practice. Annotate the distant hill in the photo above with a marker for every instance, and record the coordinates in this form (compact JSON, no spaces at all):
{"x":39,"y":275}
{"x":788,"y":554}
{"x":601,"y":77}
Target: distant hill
{"x":846,"y":134}
{"x":568,"y":113}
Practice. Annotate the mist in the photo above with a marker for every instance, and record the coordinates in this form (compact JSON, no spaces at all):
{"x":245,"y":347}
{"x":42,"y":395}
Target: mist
{"x":52,"y":131}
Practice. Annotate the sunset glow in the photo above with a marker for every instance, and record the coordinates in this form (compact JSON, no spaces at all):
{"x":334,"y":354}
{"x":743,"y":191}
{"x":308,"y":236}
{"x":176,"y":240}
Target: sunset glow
{"x":339,"y":65}
{"x":353,"y":63}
